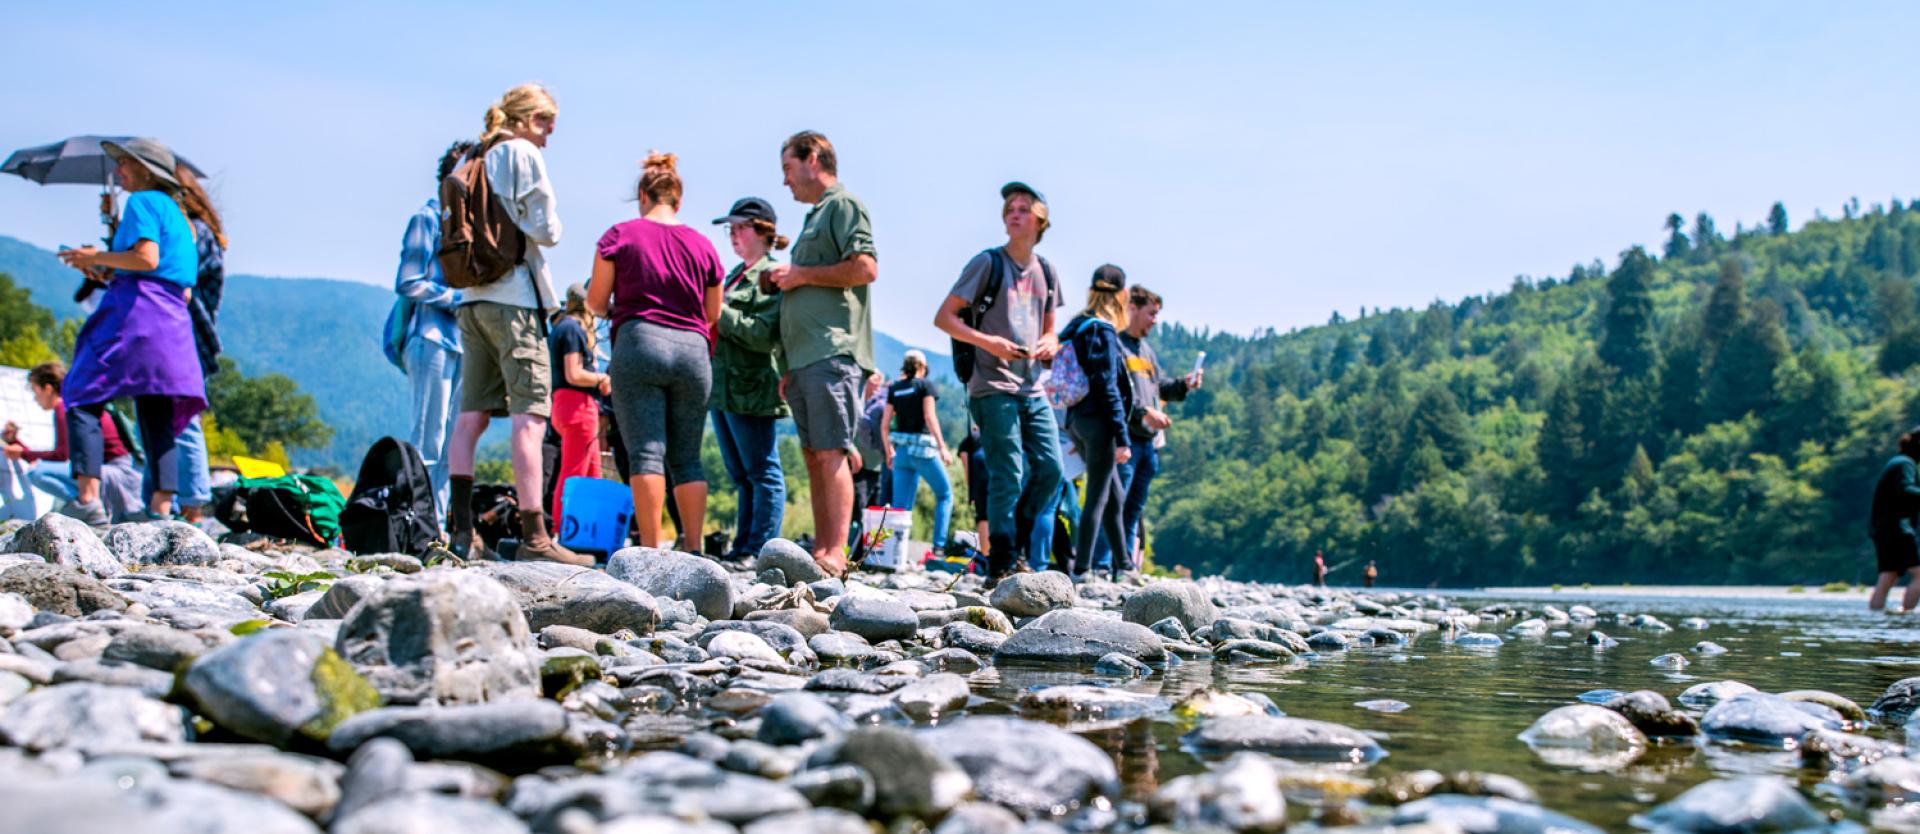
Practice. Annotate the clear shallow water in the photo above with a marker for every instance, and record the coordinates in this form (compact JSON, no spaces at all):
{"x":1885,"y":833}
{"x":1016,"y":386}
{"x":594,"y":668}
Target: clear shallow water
{"x":1468,"y":706}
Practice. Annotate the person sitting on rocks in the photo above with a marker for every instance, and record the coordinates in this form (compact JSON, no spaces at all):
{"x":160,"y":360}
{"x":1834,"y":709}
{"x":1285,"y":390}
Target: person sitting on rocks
{"x":119,"y":481}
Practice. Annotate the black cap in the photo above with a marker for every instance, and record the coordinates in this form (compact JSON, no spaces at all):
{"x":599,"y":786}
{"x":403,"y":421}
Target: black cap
{"x":748,"y":208}
{"x":1109,"y":278}
{"x":1017,"y":187}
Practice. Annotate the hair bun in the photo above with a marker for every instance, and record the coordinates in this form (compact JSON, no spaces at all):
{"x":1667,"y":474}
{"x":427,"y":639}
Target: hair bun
{"x":660,"y":161}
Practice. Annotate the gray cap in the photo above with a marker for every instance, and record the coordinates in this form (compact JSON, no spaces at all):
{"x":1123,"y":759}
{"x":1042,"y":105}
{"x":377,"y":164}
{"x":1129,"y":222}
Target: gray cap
{"x":148,"y":152}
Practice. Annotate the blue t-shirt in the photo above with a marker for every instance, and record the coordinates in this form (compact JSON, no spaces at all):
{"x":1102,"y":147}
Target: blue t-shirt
{"x":152,"y":215}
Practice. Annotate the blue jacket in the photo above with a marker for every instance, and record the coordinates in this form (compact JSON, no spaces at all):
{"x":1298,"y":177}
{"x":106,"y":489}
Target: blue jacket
{"x":1102,"y":358}
{"x":430,"y":302}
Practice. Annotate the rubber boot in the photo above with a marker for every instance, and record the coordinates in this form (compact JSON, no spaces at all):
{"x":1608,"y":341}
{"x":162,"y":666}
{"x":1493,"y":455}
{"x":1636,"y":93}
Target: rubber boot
{"x":536,"y":545}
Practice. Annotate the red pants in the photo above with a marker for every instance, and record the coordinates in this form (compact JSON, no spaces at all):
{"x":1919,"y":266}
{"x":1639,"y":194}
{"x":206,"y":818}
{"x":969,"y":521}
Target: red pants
{"x":576,"y":417}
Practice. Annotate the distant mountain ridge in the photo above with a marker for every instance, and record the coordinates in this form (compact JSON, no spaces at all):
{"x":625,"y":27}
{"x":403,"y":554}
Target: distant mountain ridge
{"x":324,"y":334}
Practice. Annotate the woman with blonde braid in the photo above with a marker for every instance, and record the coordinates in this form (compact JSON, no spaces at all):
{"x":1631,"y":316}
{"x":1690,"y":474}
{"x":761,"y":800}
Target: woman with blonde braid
{"x":576,"y":410}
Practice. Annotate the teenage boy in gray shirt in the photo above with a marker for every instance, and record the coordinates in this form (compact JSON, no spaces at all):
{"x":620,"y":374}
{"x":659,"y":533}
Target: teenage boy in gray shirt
{"x":1012,"y":338}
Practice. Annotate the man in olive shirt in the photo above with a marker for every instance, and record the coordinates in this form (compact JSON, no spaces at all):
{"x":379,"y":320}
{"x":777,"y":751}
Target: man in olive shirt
{"x":826,"y":334}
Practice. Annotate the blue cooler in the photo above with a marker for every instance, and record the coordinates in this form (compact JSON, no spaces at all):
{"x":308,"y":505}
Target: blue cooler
{"x":597,"y":515}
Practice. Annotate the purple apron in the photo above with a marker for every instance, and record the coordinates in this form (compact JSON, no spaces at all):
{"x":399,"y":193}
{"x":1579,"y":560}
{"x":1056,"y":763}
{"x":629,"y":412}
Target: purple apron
{"x":138,"y":343}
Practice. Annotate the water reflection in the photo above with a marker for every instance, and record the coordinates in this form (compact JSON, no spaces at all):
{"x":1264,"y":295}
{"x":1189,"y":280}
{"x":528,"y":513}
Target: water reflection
{"x":1468,"y":705}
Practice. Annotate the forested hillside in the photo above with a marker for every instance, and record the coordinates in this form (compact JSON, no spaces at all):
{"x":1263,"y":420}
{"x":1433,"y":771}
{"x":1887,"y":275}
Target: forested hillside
{"x":1714,"y":412}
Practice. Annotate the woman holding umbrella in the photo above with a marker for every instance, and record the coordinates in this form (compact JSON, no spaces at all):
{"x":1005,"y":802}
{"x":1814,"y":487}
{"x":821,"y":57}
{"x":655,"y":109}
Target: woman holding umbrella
{"x":139,"y":342}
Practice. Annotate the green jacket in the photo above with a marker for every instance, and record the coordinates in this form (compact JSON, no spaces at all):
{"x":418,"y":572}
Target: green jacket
{"x":744,"y":378}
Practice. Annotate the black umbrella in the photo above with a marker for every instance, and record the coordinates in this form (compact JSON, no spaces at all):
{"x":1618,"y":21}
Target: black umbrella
{"x":75,"y":161}
{"x":78,"y":160}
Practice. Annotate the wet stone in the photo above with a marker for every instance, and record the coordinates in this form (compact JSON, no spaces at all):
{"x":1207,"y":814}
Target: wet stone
{"x":1293,"y":738}
{"x":1030,"y":768}
{"x":1770,"y":720}
{"x":1486,"y":815}
{"x":911,"y":777}
{"x":1750,"y":803}
{"x":1704,"y":695}
{"x":1650,"y":712}
{"x":1242,"y":794}
{"x":1075,"y":636}
{"x":875,"y":618}
{"x":1181,"y":600}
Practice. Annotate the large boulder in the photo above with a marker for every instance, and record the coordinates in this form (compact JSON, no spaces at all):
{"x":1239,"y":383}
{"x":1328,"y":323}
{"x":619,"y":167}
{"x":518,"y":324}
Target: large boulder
{"x":1082,"y":637}
{"x":556,"y":594}
{"x":1033,"y":594}
{"x":1179,"y":599}
{"x":675,"y":575}
{"x":87,"y":716}
{"x":1293,"y":738}
{"x":442,"y":636}
{"x":162,"y":543}
{"x":276,"y":685}
{"x":60,"y":589}
{"x":64,"y":540}
{"x":1034,"y":769}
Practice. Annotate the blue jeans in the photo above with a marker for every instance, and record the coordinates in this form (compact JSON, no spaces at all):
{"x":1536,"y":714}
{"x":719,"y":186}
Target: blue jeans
{"x":55,"y":479}
{"x":1021,"y":439}
{"x":1136,"y":476}
{"x":433,"y":375}
{"x":752,"y":459}
{"x":915,"y":458}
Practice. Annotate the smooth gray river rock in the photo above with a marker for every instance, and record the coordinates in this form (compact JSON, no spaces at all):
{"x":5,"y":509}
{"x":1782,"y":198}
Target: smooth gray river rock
{"x":933,"y":697}
{"x":795,"y":564}
{"x":426,"y":813}
{"x":1292,"y":738}
{"x":911,"y":777}
{"x":658,"y":784}
{"x":161,"y":543}
{"x":1760,"y":718}
{"x":1085,"y":707}
{"x":276,"y":684}
{"x":459,"y":732}
{"x":1486,"y":815}
{"x":674,"y":575}
{"x":442,"y":636}
{"x":87,"y":716}
{"x":1032,"y":769}
{"x":66,"y":541}
{"x":1650,"y":712}
{"x":151,"y":806}
{"x":1033,"y":594}
{"x":875,"y":618}
{"x":795,"y":717}
{"x":1241,"y":794}
{"x":1746,"y":804}
{"x":556,"y":594}
{"x":1704,"y":695}
{"x":1895,"y":704}
{"x":1081,"y":637}
{"x":304,"y":783}
{"x":1586,"y":737}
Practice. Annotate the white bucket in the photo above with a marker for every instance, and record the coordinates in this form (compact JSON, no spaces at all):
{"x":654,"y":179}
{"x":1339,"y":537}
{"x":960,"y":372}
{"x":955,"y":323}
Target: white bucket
{"x":890,"y":554}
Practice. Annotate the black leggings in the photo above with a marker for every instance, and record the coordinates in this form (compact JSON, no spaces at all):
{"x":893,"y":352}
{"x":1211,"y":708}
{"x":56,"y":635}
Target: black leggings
{"x":154,"y":414}
{"x":1102,"y":502}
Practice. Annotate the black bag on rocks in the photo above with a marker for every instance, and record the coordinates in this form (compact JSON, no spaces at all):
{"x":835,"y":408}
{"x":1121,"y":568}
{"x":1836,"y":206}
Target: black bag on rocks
{"x":391,"y":509}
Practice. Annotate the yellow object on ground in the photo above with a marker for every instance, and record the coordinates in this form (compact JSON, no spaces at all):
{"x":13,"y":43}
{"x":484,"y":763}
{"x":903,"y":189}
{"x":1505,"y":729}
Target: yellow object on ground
{"x":256,"y":468}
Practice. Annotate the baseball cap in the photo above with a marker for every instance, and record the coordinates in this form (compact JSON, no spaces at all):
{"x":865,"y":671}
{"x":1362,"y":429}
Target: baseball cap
{"x":748,"y":208}
{"x":1017,"y":187}
{"x":1109,"y":278}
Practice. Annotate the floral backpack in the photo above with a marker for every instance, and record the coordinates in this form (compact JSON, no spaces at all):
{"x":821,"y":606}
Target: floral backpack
{"x":1067,"y":383}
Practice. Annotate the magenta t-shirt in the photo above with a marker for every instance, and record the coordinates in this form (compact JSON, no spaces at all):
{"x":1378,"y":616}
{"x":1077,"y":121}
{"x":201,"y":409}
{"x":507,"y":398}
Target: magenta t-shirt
{"x":660,"y":274}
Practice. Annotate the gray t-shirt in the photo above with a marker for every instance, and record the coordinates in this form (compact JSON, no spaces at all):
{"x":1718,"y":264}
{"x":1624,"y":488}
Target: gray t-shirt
{"x":1019,"y":315}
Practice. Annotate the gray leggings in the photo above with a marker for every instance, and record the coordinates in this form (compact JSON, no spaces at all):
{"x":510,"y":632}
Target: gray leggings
{"x":661,"y":376}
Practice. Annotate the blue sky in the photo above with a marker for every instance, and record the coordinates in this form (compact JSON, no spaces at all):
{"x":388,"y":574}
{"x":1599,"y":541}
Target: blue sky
{"x":1261,"y":164}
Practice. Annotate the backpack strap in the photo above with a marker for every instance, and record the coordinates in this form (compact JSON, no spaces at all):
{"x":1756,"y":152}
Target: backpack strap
{"x":989,"y":293}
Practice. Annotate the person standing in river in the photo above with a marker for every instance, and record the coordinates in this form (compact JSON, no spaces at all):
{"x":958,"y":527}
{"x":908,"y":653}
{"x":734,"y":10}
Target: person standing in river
{"x":746,"y":383}
{"x":826,"y":334}
{"x":1896,"y":501}
{"x":1011,"y":339}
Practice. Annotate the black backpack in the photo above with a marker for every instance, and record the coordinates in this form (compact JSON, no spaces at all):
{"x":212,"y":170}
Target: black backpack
{"x":964,"y":353}
{"x":391,"y":508}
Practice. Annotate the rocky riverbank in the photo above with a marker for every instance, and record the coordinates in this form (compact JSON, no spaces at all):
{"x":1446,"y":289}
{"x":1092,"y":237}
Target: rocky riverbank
{"x":154,"y":678}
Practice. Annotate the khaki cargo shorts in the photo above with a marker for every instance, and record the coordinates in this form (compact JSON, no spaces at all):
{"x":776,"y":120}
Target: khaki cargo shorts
{"x":505,"y":370}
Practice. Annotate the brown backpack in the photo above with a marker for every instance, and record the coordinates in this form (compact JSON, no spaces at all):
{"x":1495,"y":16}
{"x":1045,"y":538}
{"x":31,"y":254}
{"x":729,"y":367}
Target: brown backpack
{"x":479,"y":242}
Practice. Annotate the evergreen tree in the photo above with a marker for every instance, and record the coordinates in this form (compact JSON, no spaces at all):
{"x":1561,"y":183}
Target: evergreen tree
{"x":1777,"y":219}
{"x":1742,"y":379}
{"x":1706,"y":239}
{"x":1726,"y":306}
{"x":1626,"y":343}
{"x":1437,"y":421}
{"x":1344,"y":354}
{"x":1681,"y":379}
{"x":1882,"y":250}
{"x":1677,"y":244}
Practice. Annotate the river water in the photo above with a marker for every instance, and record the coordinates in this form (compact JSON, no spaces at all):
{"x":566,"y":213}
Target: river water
{"x":1466,"y":707}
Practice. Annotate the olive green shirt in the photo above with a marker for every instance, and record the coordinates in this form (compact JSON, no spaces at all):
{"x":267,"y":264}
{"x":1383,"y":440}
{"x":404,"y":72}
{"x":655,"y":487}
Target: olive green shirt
{"x":823,"y":322}
{"x":744,"y":378}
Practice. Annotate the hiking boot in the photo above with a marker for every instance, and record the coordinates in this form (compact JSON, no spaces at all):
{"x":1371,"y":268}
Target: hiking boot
{"x":536,"y":545}
{"x":462,"y":540}
{"x":92,"y":513}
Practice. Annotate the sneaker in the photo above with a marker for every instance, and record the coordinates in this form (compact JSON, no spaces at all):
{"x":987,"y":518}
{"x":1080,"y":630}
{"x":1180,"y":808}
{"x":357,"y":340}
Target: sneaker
{"x":93,"y":514}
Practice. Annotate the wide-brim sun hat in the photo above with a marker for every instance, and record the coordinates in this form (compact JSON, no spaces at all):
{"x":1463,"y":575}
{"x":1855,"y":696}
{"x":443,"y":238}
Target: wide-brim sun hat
{"x":150,"y":153}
